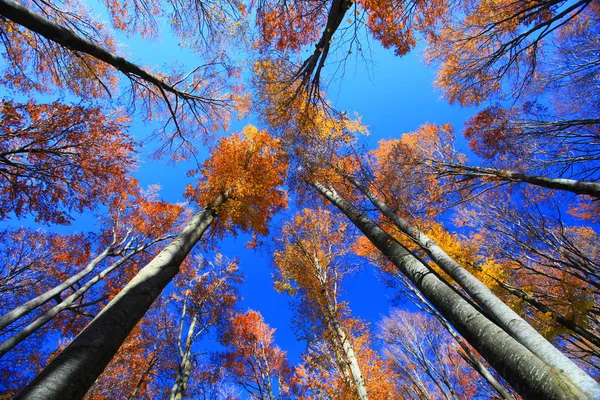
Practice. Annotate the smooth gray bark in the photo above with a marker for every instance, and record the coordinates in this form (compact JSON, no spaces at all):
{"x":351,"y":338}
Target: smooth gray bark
{"x":26,"y":308}
{"x":500,"y":313}
{"x":569,"y":185}
{"x":68,"y":39}
{"x":351,"y":361}
{"x":74,"y":370}
{"x":527,"y":374}
{"x":469,"y":356}
{"x":185,"y":366}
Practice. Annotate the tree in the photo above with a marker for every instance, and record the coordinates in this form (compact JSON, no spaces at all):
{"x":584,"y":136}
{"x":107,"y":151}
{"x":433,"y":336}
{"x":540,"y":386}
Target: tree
{"x":135,"y":224}
{"x":208,"y":301}
{"x":56,"y":159}
{"x":309,"y":264}
{"x":252,"y":358}
{"x":241,"y":189}
{"x":425,"y":358}
{"x":466,"y":319}
{"x":64,"y":47}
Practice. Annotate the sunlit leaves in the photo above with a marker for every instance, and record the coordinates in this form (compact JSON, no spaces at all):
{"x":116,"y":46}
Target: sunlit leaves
{"x":249,"y":169}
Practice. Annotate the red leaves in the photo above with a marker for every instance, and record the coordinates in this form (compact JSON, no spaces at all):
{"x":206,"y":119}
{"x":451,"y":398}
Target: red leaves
{"x":252,"y":357}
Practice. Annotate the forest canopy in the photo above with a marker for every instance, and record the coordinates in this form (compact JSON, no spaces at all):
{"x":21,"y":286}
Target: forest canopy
{"x":182,"y":182}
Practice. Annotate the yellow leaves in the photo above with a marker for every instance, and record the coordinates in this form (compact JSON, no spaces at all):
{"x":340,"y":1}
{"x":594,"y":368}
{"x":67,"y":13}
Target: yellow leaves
{"x":250,"y":168}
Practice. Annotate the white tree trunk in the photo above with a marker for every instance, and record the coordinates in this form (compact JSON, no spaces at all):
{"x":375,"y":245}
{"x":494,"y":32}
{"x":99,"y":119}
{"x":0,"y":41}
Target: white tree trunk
{"x":500,"y":313}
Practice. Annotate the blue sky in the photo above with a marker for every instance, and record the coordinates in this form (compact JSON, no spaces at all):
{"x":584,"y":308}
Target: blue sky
{"x":393,"y":95}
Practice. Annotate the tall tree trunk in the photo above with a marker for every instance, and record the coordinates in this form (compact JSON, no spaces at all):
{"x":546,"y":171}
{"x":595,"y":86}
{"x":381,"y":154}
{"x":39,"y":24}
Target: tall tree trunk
{"x":469,"y":356}
{"x":26,"y":308}
{"x":500,"y":313}
{"x":75,"y":369}
{"x":569,"y":185}
{"x":68,"y":39}
{"x":350,"y":357}
{"x":530,"y":376}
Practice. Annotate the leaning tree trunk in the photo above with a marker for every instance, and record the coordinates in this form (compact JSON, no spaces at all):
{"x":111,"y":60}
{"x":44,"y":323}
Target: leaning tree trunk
{"x":74,"y":370}
{"x":21,"y":15}
{"x":530,"y":376}
{"x":500,"y":313}
{"x":65,"y":304}
{"x":43,"y":298}
{"x":184,"y":369}
{"x":569,"y":185}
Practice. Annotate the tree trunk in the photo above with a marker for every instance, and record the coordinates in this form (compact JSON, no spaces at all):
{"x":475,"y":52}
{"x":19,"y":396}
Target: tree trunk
{"x":75,"y":369}
{"x":351,"y":361}
{"x":32,"y":304}
{"x":185,"y":367}
{"x":531,"y":377}
{"x":500,"y":313}
{"x":469,"y":356}
{"x":569,"y":185}
{"x":68,"y":39}
{"x":24,"y":333}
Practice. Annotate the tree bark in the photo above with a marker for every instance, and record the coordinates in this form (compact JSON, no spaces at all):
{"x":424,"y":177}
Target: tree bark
{"x":500,"y":313}
{"x":569,"y":185}
{"x":68,"y":39}
{"x":75,"y":369}
{"x":32,"y":304}
{"x":351,"y":361}
{"x":530,"y":376}
{"x":185,"y":366}
{"x":24,"y":333}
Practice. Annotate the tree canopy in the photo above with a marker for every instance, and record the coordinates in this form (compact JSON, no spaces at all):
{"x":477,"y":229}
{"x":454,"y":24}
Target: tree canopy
{"x":484,"y":227}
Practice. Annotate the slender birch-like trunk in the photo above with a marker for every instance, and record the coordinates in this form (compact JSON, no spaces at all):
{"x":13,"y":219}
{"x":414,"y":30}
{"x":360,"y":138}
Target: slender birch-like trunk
{"x":26,"y":308}
{"x":495,"y":308}
{"x":469,"y":356}
{"x":530,"y":376}
{"x":74,"y":370}
{"x":185,"y":366}
{"x":349,"y":355}
{"x":569,"y":185}
{"x":30,"y":329}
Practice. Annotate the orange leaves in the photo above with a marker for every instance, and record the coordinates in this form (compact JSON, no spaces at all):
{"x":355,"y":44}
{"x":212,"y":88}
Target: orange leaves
{"x":308,"y":256}
{"x":249,"y":168}
{"x":290,"y":26}
{"x":33,"y":62}
{"x":56,"y":159}
{"x":252,"y":357}
{"x":402,"y":169}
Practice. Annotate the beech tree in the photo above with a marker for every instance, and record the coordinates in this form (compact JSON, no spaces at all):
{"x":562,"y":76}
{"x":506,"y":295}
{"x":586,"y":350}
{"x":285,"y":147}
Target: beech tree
{"x":252,"y":358}
{"x":308,"y":265}
{"x":242,"y":178}
{"x":57,"y":159}
{"x":208,"y":301}
{"x":425,"y":359}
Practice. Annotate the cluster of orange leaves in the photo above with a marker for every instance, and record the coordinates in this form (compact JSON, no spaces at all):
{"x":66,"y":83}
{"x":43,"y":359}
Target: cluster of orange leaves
{"x":249,"y":169}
